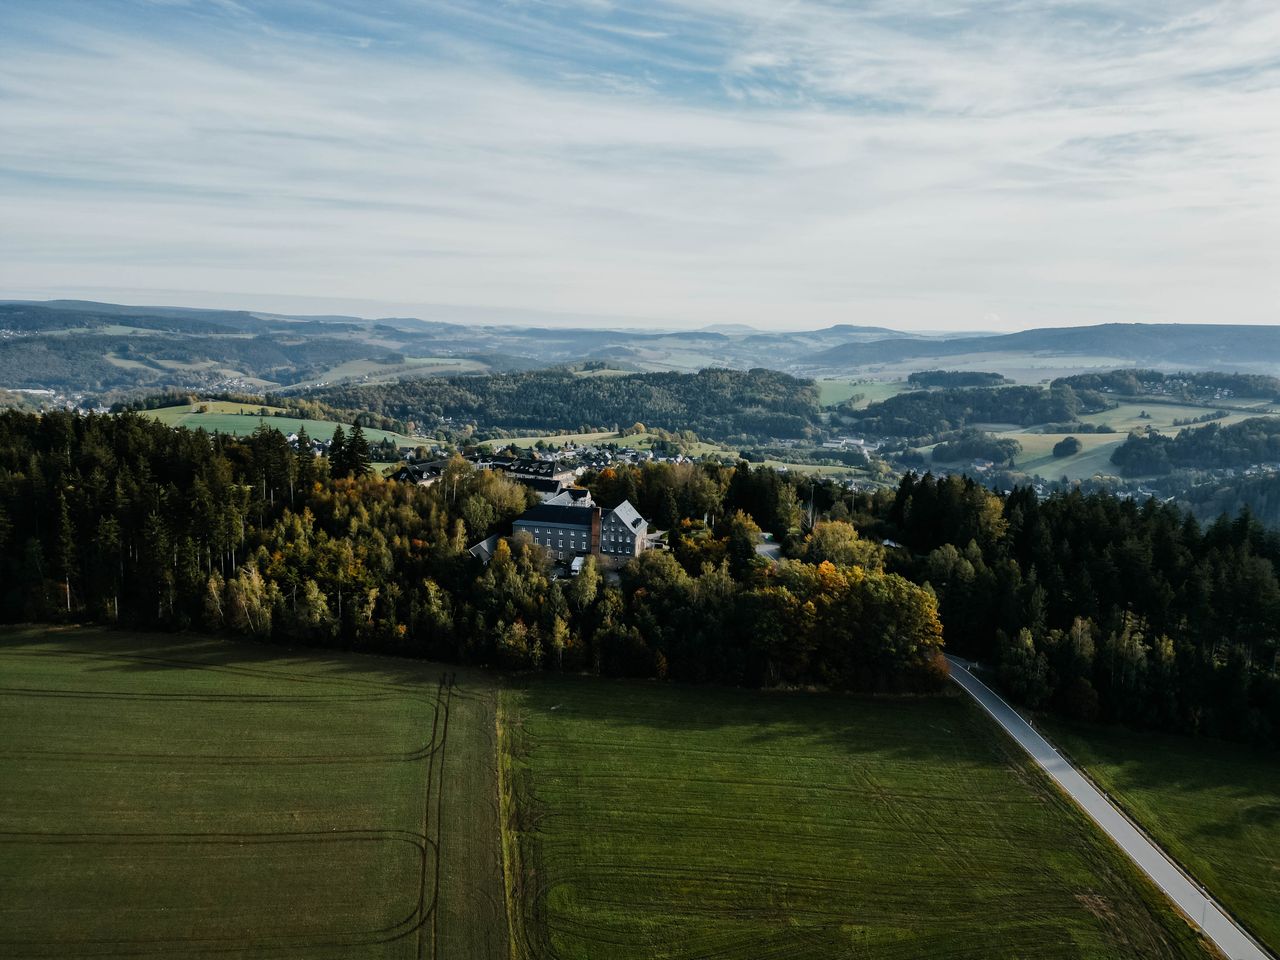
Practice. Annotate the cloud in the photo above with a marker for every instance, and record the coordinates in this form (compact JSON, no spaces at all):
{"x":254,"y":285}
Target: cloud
{"x":774,"y":163}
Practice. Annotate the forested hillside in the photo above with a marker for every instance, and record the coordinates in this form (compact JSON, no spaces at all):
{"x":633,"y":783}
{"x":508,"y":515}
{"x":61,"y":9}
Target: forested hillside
{"x":1101,"y":607}
{"x":1195,"y":345}
{"x":719,"y":404}
{"x":928,"y":413}
{"x":1094,"y":606}
{"x":1256,"y":440}
{"x":123,"y":520}
{"x":1180,"y":386}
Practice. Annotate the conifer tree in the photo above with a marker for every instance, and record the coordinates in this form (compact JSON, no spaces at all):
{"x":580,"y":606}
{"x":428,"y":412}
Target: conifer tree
{"x":357,"y":453}
{"x":338,"y":462}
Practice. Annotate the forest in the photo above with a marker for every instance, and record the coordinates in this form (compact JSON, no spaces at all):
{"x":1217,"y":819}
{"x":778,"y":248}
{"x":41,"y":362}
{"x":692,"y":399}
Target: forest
{"x":956,"y":378}
{"x":1213,"y":447}
{"x":922,"y":416}
{"x":1182,"y":386}
{"x":122,"y":520}
{"x":977,"y":445}
{"x":79,"y":362}
{"x":1092,"y":606}
{"x":715,"y":403}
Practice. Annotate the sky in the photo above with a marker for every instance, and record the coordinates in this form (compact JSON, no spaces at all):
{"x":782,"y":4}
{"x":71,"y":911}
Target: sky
{"x":677,"y":163}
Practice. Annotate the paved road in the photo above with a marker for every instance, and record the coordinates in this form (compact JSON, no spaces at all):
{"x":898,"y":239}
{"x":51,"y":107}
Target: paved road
{"x":1217,"y":926}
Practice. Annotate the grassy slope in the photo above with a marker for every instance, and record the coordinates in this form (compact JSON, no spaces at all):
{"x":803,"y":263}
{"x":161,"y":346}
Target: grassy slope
{"x":834,"y":390}
{"x":1095,"y":457}
{"x":241,"y":419}
{"x":668,"y":822}
{"x":166,"y":796}
{"x":1214,"y":806}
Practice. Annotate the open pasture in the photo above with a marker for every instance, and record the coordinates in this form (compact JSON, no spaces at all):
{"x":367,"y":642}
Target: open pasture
{"x":677,"y":822}
{"x":1213,"y":806}
{"x":165,"y":797}
{"x":1128,"y":415}
{"x":1094,"y":458}
{"x":836,"y":390}
{"x":241,"y":419}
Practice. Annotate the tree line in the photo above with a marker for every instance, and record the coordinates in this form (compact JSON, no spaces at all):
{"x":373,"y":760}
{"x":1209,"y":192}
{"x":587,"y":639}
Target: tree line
{"x":924,"y":415}
{"x":1090,"y":605}
{"x":716,"y":403}
{"x":1213,"y":447}
{"x":1099,"y":607}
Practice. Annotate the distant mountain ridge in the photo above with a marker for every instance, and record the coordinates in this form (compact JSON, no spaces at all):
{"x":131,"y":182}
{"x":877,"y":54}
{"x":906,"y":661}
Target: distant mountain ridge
{"x":1199,"y":345}
{"x":90,"y":347}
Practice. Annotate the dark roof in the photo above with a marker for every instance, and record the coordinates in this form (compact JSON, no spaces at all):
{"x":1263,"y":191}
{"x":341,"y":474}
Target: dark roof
{"x":555,"y":513}
{"x":484,"y":549}
{"x":540,"y":484}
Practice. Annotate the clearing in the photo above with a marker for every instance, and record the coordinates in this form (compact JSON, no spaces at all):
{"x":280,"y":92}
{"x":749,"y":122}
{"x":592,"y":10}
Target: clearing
{"x":241,"y":419}
{"x":836,"y":390}
{"x":174,"y":796}
{"x":678,"y":822}
{"x":1212,"y":806}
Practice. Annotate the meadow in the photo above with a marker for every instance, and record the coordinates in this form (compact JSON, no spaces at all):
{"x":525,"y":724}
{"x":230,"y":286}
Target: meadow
{"x":241,"y":419}
{"x":1094,"y":459}
{"x":165,"y":796}
{"x":1214,"y":807}
{"x":672,"y":822}
{"x":836,"y":390}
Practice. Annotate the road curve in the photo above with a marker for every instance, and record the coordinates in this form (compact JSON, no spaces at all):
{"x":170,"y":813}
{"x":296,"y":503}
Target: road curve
{"x":1225,"y":933}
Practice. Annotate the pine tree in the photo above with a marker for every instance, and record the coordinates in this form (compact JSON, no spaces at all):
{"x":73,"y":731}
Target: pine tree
{"x":358,"y":459}
{"x":338,"y":462}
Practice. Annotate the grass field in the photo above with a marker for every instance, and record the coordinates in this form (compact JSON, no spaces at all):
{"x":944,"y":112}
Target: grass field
{"x":1128,"y":416}
{"x":1215,"y":807}
{"x":166,"y":796}
{"x":670,"y":822}
{"x":834,"y":390}
{"x":1093,"y":459}
{"x":241,"y":419}
{"x":377,"y":372}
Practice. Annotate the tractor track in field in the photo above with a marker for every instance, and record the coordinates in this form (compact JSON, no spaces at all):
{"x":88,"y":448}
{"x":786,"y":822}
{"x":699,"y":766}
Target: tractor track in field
{"x":237,"y":943}
{"x":425,"y":909}
{"x":199,"y":697}
{"x":435,"y":777}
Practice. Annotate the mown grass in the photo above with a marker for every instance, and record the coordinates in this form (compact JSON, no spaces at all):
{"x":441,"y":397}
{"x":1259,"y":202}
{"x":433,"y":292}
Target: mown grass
{"x":1214,"y":807}
{"x":165,"y":797}
{"x":669,"y":822}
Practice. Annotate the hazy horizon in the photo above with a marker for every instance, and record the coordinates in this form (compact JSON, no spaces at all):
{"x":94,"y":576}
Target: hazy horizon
{"x":675,"y":163}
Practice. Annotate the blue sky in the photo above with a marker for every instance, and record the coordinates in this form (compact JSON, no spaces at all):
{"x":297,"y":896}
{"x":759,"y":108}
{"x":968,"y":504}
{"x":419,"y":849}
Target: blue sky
{"x":925,"y":165}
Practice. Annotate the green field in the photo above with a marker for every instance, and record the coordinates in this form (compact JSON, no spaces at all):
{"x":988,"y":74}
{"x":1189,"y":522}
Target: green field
{"x":1128,"y":416}
{"x":241,"y":419}
{"x":375,"y":371}
{"x":835,"y":390}
{"x":672,"y":822}
{"x":164,"y":796}
{"x":1215,"y":807}
{"x":1094,"y":459}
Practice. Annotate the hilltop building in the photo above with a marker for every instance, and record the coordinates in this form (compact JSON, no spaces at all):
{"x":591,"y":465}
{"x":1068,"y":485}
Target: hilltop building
{"x":571,"y":524}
